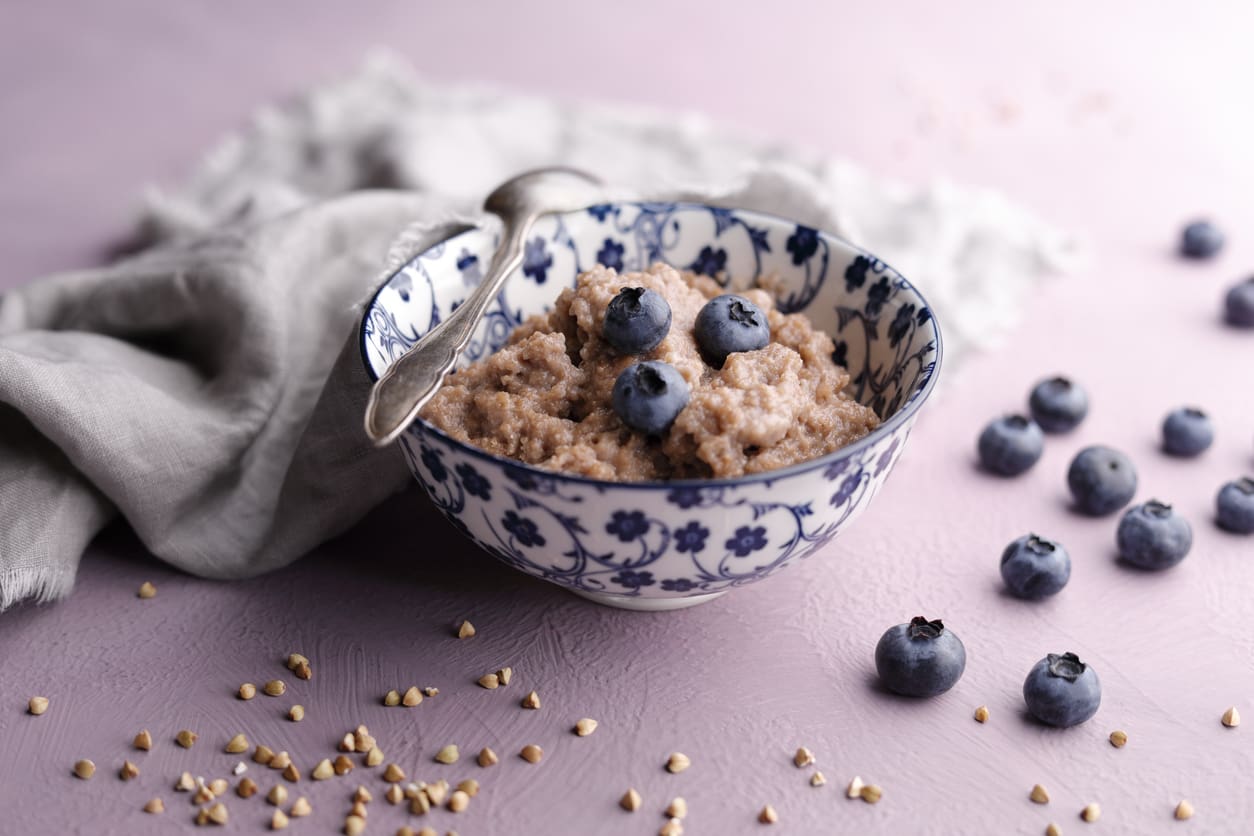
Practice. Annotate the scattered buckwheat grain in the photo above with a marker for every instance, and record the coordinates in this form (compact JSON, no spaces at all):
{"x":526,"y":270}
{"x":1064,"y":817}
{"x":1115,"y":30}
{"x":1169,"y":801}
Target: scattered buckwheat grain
{"x":532,"y":700}
{"x":291,"y":774}
{"x":630,"y":801}
{"x":186,"y":738}
{"x":84,"y":769}
{"x":37,"y":705}
{"x":323,"y":770}
{"x":296,"y":713}
{"x":585,"y":727}
{"x":155,"y":805}
{"x":392,"y":698}
{"x":342,"y":765}
{"x":218,"y":813}
{"x":279,"y":820}
{"x":281,"y":760}
{"x":531,"y":753}
{"x":768,"y":815}
{"x":246,"y":788}
{"x":470,"y":786}
{"x":490,"y":681}
{"x":147,"y":590}
{"x":817,"y":779}
{"x":1053,"y":830}
{"x":458,"y":801}
{"x":430,"y":691}
{"x":854,"y":790}
{"x":465,"y":630}
{"x":374,"y":757}
{"x":1231,"y":718}
{"x":678,"y":808}
{"x":277,"y":795}
{"x":236,"y":744}
{"x":1091,"y":812}
{"x":981,"y":714}
{"x":677,"y":762}
{"x":871,"y":793}
{"x":275,"y":688}
{"x":359,"y":810}
{"x":185,"y":783}
{"x":1118,"y":739}
{"x":303,"y":671}
{"x":1184,"y":810}
{"x":1038,"y":794}
{"x":505,"y":675}
{"x":412,"y":697}
{"x":219,"y":786}
{"x":487,"y":757}
{"x":300,"y":808}
{"x":394,"y":795}
{"x":263,"y":754}
{"x":803,"y":758}
{"x":247,"y":691}
{"x":128,"y":771}
{"x":393,"y":774}
{"x":143,"y":741}
{"x":448,"y":754}
{"x":354,"y":826}
{"x":362,"y":795}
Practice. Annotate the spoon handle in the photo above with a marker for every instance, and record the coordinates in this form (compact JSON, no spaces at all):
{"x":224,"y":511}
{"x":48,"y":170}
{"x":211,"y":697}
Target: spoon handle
{"x":398,"y":396}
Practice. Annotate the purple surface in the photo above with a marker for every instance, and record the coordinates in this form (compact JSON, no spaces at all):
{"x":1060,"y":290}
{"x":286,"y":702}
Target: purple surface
{"x":1120,"y":125}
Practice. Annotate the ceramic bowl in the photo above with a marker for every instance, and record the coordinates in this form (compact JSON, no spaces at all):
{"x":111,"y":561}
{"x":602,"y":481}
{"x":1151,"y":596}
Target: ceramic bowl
{"x":665,"y":545}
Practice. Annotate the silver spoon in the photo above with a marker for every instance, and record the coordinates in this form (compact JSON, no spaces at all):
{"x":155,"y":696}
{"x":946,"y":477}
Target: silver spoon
{"x":414,"y":378}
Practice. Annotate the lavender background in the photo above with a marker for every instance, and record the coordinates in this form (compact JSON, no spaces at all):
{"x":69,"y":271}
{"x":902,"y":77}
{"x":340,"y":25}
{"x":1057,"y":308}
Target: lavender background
{"x":1120,"y":121}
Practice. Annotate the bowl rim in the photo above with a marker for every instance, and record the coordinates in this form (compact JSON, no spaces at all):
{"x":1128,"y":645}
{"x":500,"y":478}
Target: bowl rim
{"x":887,"y":427}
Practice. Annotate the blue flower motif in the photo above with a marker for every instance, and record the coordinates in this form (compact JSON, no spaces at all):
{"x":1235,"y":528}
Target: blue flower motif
{"x":678,"y":585}
{"x":924,"y":316}
{"x":709,"y":262}
{"x":628,"y":525}
{"x":747,"y":540}
{"x":691,"y":538}
{"x":523,"y":529}
{"x":855,"y":273}
{"x":468,"y":265}
{"x":522,"y":478}
{"x":900,"y":326}
{"x":886,"y":458}
{"x":840,"y":354}
{"x":877,"y":296}
{"x":684,"y":497}
{"x":632,"y":579}
{"x":611,"y":254}
{"x":431,"y":461}
{"x":846,"y":489}
{"x":474,"y":483}
{"x":536,"y":260}
{"x":835,"y":469}
{"x":803,"y":244}
{"x":601,"y":211}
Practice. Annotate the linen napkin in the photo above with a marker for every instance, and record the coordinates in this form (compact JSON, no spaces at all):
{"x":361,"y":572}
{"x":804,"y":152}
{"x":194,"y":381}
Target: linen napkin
{"x":208,"y":388}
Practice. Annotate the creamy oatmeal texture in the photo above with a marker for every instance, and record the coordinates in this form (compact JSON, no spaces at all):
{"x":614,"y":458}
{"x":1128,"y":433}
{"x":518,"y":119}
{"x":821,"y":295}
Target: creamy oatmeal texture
{"x":545,"y":397}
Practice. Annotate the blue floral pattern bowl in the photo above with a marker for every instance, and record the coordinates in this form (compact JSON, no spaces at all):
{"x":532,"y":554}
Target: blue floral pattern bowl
{"x":665,"y":545}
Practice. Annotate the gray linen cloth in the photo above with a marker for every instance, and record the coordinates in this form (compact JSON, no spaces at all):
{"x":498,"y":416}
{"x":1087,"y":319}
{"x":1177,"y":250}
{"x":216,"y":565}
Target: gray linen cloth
{"x":209,"y":389}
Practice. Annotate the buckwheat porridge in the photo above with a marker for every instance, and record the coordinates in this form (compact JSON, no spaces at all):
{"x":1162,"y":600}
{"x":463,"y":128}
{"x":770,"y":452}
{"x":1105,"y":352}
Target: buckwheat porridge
{"x":656,"y":375}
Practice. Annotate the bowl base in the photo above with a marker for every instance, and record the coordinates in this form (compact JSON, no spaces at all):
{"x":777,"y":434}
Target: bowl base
{"x":625,"y":602}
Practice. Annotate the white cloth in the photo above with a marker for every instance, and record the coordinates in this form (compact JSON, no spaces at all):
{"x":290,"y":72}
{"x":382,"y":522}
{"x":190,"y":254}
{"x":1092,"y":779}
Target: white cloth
{"x":209,"y":390}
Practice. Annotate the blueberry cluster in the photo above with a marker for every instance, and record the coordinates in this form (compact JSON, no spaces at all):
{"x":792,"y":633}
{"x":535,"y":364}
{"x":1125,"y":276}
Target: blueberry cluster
{"x":648,"y":396}
{"x":922,"y":658}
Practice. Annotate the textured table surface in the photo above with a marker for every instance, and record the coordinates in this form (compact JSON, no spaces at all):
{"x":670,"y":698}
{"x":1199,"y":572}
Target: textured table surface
{"x":1117,"y":124}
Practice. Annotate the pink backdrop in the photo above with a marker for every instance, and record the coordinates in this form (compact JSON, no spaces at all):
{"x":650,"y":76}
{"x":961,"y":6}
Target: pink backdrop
{"x":1118,"y":121}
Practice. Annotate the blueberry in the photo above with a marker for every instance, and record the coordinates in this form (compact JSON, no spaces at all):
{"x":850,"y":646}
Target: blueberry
{"x":647,"y":396}
{"x":1058,"y":405}
{"x":1062,"y":691}
{"x":1201,"y":239}
{"x":1152,"y":536}
{"x":1239,"y":304}
{"x":1187,"y":431}
{"x":920,"y":659}
{"x":1010,"y":445}
{"x":1101,"y":480}
{"x":1035,"y":568}
{"x":636,"y":320}
{"x":727,"y":324}
{"x":1236,"y":506}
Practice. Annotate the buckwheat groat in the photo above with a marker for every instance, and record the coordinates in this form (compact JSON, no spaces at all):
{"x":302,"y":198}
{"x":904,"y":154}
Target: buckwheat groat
{"x":545,"y":398}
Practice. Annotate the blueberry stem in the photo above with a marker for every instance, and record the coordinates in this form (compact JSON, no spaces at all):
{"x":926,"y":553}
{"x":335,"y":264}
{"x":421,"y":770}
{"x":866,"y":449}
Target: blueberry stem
{"x":921,"y":628}
{"x":1068,"y":666}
